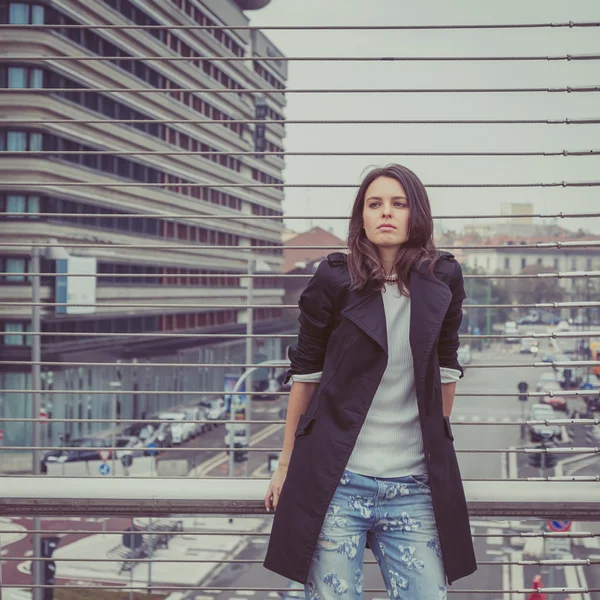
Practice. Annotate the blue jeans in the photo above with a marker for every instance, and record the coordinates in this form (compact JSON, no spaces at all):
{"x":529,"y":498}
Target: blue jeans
{"x":396,"y":516}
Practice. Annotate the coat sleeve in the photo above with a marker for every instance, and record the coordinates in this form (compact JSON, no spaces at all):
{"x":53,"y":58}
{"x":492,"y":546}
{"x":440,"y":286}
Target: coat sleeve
{"x":316,"y":308}
{"x":449,"y":342}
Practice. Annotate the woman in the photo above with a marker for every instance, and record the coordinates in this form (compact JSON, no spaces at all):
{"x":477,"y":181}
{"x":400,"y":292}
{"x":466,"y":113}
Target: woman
{"x":374,"y":375}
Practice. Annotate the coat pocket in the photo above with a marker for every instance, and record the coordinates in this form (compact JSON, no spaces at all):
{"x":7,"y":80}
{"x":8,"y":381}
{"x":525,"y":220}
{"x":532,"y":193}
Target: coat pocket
{"x":448,"y":428}
{"x":304,"y":425}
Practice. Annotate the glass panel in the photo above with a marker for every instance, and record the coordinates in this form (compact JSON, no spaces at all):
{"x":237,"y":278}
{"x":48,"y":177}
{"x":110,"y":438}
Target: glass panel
{"x":16,"y":141}
{"x":15,"y":265}
{"x":37,"y":78}
{"x":37,"y":15}
{"x":35,"y":141}
{"x":13,"y":340}
{"x":15,"y":204}
{"x":19,"y":13}
{"x":17,"y":77}
{"x":33,"y":204}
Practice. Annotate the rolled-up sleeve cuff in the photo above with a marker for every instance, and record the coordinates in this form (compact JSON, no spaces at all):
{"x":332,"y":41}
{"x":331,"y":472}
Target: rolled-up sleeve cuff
{"x":449,"y":375}
{"x":308,"y":377}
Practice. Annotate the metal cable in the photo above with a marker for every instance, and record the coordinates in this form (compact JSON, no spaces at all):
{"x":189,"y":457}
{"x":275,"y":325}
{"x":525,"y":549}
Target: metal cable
{"x":500,"y":336}
{"x":584,"y":562}
{"x":211,"y":590}
{"x":35,"y":153}
{"x":241,"y":274}
{"x":170,"y":334}
{"x":540,"y":394}
{"x":581,"y":450}
{"x":569,"y":24}
{"x":566,"y":121}
{"x":154,"y":90}
{"x":546,"y":365}
{"x":30,"y":215}
{"x":162,"y":246}
{"x":527,"y":534}
{"x":217,"y":184}
{"x":213,"y":58}
{"x":478,"y":422}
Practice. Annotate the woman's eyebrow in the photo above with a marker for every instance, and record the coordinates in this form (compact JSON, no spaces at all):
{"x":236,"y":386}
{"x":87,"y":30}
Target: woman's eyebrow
{"x":393,"y":198}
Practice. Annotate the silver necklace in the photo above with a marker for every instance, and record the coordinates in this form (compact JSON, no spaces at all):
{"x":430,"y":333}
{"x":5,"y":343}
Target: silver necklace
{"x":391,"y":278}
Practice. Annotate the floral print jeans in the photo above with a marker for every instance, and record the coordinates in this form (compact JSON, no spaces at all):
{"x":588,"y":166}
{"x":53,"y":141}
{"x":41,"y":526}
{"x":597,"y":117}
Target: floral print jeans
{"x":396,"y":516}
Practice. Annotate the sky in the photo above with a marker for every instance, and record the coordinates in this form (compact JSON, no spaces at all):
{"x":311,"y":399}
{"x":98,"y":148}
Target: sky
{"x":318,"y":202}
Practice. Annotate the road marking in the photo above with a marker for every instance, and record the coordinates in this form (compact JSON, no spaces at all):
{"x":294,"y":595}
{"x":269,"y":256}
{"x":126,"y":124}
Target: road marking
{"x":223,"y":457}
{"x":494,"y":540}
{"x":245,"y":592}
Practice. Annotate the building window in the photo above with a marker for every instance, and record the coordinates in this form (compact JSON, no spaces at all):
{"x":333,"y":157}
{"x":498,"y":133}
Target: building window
{"x":574,"y":264}
{"x":19,"y":13}
{"x":15,"y":337}
{"x":556,"y":263}
{"x":539,"y":261}
{"x":588,"y":264}
{"x":15,"y":265}
{"x":507,"y":263}
{"x":523,"y":263}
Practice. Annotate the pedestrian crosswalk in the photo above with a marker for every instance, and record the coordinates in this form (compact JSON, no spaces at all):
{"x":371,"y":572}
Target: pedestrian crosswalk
{"x":487,"y":419}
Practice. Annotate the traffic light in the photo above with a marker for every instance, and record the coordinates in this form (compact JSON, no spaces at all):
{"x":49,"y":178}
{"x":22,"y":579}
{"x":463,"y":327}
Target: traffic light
{"x":549,"y":460}
{"x":240,"y":455}
{"x":523,"y":387}
{"x":49,"y":578}
{"x":49,"y":545}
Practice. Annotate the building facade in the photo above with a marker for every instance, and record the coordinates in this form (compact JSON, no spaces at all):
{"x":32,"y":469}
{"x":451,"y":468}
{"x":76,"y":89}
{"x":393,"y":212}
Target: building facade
{"x":181,"y":244}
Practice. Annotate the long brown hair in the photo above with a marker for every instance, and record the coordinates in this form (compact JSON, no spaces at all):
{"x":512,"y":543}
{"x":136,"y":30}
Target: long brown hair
{"x":364,"y":265}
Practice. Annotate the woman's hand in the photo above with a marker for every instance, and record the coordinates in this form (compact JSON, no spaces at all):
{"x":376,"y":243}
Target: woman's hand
{"x":274,"y":489}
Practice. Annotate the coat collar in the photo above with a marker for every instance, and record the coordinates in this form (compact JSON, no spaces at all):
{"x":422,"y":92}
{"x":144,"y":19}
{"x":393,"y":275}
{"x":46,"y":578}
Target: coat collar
{"x":429,"y":299}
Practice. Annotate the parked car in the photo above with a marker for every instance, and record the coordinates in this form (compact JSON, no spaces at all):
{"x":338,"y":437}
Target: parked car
{"x":159,"y":435}
{"x":559,"y":402}
{"x":464,"y":355}
{"x":180,"y":432}
{"x":73,"y":453}
{"x":216,"y":410}
{"x":510,"y":329}
{"x":195,"y":413}
{"x":546,"y":378}
{"x":131,"y":445}
{"x":563,"y":326}
{"x":543,"y":412}
{"x":529,"y":345}
{"x":270,"y":385}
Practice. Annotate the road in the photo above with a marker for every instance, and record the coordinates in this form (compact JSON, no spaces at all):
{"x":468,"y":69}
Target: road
{"x":497,"y":543}
{"x":493,"y":552}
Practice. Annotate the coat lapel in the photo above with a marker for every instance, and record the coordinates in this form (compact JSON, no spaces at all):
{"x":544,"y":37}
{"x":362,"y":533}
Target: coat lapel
{"x":365,"y":309}
{"x":429,"y":301}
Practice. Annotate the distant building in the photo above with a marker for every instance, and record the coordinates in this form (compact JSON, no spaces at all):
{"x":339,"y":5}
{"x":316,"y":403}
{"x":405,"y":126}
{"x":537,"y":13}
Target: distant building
{"x":157,"y":274}
{"x":313,"y":237}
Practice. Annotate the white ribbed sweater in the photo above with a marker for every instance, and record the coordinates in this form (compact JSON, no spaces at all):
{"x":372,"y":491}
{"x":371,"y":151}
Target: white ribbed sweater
{"x":390,"y":443}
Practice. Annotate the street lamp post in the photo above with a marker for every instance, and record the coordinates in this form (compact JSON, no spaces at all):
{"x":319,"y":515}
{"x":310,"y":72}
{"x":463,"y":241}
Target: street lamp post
{"x":236,"y":387}
{"x":52,"y":253}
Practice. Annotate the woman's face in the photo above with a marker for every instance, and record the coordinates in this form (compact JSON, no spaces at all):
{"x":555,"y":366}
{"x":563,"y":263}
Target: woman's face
{"x":386,"y":213}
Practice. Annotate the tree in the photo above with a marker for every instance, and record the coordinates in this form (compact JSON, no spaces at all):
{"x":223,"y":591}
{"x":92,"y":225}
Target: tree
{"x":536,"y":290}
{"x":484,"y":291}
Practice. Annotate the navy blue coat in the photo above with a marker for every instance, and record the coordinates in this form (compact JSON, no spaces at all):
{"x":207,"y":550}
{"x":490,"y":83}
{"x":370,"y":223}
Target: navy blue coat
{"x":343,"y":334}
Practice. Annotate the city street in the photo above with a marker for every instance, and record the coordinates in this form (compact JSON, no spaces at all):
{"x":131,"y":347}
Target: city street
{"x":479,"y":422}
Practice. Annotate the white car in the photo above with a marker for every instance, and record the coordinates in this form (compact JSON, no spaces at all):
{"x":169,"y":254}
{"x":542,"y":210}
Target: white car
{"x":543,"y":412}
{"x":195,"y":413}
{"x":563,"y":326}
{"x":510,"y":329}
{"x":180,"y":432}
{"x":546,"y":380}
